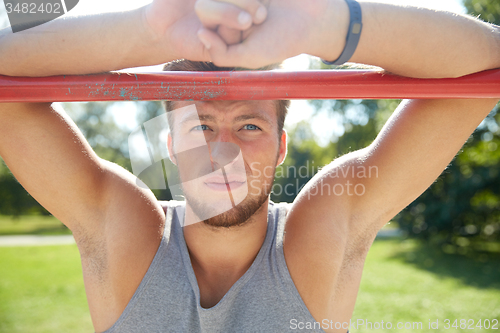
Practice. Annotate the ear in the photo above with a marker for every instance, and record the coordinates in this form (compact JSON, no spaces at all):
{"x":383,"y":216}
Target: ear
{"x":282,"y":148}
{"x":170,"y":146}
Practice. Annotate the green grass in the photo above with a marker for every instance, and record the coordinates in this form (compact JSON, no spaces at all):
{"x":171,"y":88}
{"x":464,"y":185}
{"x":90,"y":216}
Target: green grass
{"x":409,"y":282}
{"x":41,"y":289}
{"x":32,"y":225}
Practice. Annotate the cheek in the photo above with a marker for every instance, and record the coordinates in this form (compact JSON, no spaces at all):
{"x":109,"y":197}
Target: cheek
{"x":262,"y":165}
{"x":264,"y":148}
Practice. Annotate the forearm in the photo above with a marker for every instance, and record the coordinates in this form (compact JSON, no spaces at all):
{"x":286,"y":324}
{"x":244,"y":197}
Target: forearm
{"x":82,"y":45}
{"x":420,"y":42}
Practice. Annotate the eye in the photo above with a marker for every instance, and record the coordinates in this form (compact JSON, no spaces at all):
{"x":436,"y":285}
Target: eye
{"x":200,"y":128}
{"x":251,"y":127}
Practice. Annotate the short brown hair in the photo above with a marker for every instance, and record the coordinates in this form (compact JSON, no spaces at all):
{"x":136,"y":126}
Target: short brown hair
{"x":202,"y":66}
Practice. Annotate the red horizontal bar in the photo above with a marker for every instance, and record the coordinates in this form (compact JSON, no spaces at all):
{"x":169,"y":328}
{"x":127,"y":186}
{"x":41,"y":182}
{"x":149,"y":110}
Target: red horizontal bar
{"x":244,"y":85}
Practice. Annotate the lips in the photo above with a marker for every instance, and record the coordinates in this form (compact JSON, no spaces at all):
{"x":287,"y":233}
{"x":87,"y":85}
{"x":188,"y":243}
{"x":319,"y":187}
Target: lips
{"x":218,"y":183}
{"x":224,"y":187}
{"x":231,"y":178}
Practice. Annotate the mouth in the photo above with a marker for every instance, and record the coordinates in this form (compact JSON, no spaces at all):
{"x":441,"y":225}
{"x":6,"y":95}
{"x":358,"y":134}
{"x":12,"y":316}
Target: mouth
{"x":223,"y":186}
{"x":226,"y":182}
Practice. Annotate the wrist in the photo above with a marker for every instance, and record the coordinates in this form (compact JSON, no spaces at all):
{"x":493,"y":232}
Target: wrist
{"x":155,"y":31}
{"x":353,"y":34}
{"x":153,"y":26}
{"x":333,"y":30}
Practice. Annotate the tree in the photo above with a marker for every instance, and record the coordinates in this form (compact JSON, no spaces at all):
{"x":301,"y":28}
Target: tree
{"x":461,"y":211}
{"x":14,"y":200}
{"x":487,"y":10}
{"x":107,"y":139}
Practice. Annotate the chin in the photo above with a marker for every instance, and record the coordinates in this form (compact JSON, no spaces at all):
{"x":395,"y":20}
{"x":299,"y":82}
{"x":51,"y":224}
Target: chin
{"x":233,"y":217}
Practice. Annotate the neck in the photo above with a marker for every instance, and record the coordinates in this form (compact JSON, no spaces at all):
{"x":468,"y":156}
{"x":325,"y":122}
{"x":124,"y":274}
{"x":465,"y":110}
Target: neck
{"x":225,"y":253}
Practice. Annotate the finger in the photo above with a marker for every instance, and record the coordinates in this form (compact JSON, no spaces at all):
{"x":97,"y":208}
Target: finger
{"x":223,"y":55}
{"x":230,"y":36}
{"x":213,"y":13}
{"x":212,"y":41}
{"x":257,"y":9}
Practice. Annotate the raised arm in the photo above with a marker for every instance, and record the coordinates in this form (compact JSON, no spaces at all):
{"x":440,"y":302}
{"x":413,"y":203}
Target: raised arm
{"x":90,"y":44}
{"x":162,"y":31}
{"x":419,"y":42}
{"x":409,"y":41}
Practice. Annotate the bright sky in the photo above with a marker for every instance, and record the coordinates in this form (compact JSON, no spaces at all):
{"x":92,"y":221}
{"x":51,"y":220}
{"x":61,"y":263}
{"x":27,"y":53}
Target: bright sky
{"x":99,"y":6}
{"x":323,"y":124}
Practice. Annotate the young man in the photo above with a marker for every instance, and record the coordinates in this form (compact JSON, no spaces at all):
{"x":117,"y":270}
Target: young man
{"x":256,"y":267}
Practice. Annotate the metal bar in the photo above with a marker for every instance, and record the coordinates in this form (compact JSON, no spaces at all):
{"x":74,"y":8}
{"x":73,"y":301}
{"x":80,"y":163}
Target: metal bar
{"x":244,"y":85}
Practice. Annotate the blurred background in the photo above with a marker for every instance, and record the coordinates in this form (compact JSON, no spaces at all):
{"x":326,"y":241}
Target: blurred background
{"x":438,"y":259}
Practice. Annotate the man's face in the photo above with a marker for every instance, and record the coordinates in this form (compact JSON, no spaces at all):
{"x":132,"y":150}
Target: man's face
{"x":228,"y":184}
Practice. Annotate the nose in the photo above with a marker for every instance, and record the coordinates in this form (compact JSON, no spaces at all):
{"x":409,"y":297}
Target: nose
{"x":223,"y":135}
{"x":223,"y":148}
{"x":223,"y":153}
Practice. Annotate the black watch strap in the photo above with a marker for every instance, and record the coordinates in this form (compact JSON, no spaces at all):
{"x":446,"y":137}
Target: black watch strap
{"x":353,"y":34}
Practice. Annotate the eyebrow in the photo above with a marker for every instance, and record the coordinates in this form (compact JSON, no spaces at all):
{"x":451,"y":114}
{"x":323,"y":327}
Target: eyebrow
{"x":207,"y":117}
{"x":195,"y":116}
{"x":253,"y":116}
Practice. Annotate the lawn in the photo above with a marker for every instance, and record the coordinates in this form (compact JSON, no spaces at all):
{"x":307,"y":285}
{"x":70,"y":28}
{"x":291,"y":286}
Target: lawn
{"x":32,"y":225}
{"x":408,"y":282}
{"x":41,"y":289}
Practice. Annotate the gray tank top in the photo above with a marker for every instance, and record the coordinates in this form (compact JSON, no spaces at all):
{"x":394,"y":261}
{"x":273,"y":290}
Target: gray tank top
{"x":264,"y":299}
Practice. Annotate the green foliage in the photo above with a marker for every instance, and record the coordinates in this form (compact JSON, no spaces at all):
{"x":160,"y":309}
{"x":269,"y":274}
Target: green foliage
{"x":487,"y":10}
{"x":106,"y":138}
{"x":361,"y":121}
{"x":303,"y":160}
{"x":14,"y":200}
{"x":99,"y":128}
{"x":461,"y":211}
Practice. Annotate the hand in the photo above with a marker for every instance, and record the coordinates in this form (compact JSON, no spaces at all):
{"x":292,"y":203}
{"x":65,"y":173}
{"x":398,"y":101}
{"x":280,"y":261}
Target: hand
{"x":175,"y":23}
{"x":231,"y":19}
{"x":316,"y":27}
